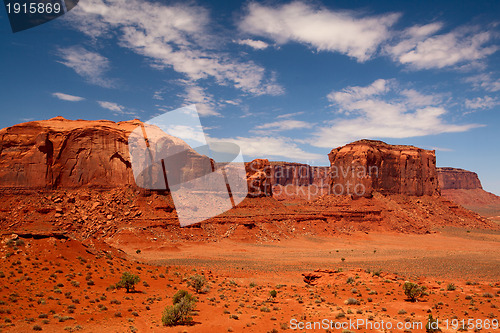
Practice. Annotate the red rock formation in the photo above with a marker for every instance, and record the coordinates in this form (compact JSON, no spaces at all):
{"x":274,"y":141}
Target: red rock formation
{"x":366,"y":166}
{"x":452,"y":178}
{"x":297,"y":174}
{"x":464,"y":188}
{"x":259,"y":178}
{"x":61,"y":153}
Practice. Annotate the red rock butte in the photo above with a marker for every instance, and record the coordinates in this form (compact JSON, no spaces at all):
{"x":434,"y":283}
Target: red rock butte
{"x":375,"y":166}
{"x":61,"y":153}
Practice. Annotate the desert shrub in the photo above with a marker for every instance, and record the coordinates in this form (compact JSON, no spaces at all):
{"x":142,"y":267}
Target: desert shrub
{"x":128,"y":281}
{"x":413,"y":291}
{"x":179,"y":295}
{"x":451,"y":287}
{"x":273,"y":293}
{"x":432,"y":325}
{"x":180,"y":311}
{"x":198,"y":282}
{"x":351,"y":301}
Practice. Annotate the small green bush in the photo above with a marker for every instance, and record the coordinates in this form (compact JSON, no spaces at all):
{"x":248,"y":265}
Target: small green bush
{"x":432,"y":325}
{"x":181,"y":310}
{"x":413,"y":291}
{"x":198,"y":282}
{"x":128,"y":281}
{"x":351,"y":301}
{"x":179,"y":295}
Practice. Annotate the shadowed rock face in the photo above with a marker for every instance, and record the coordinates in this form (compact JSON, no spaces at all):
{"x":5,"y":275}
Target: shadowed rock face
{"x":365,"y":166}
{"x":61,"y":153}
{"x":451,"y":178}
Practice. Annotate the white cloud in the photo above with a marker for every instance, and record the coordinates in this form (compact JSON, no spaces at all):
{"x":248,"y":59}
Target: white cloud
{"x":284,"y":125}
{"x":485,"y":102}
{"x":485,"y":81}
{"x":66,"y":97}
{"x":421,"y":48}
{"x":271,"y":147}
{"x":289,"y":115}
{"x":325,"y":30}
{"x":382,"y":110}
{"x":158,"y":95}
{"x":90,"y":65}
{"x":187,"y":133}
{"x":256,"y":44}
{"x":194,"y":94}
{"x":350,"y":94}
{"x":176,"y":36}
{"x":116,"y":108}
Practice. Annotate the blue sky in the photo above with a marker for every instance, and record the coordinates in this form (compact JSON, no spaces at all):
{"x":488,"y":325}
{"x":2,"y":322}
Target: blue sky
{"x":284,"y":80}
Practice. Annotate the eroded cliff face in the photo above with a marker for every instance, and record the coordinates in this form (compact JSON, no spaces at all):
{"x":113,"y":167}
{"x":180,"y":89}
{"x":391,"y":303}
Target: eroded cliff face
{"x":298,"y":174}
{"x":61,"y":153}
{"x":456,"y":179}
{"x":366,"y":166}
{"x":259,"y":178}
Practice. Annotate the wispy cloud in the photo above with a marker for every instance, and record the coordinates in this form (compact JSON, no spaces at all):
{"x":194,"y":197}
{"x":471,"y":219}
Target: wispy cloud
{"x":117,"y":109}
{"x":176,"y":36}
{"x":90,"y":65}
{"x":66,"y":97}
{"x":289,"y":115}
{"x":485,"y":102}
{"x":255,"y":44}
{"x":383,"y":110}
{"x":485,"y":81}
{"x":283,"y":125}
{"x":421,"y":47}
{"x":194,"y":94}
{"x":322,"y":29}
{"x":111,"y":106}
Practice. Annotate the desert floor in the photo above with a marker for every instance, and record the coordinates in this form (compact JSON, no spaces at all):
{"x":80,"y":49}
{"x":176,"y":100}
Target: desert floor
{"x":59,"y":285}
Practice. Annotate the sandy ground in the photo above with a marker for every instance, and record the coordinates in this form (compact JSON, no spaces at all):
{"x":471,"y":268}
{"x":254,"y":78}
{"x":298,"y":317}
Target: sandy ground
{"x":44,"y":283}
{"x":452,"y":252}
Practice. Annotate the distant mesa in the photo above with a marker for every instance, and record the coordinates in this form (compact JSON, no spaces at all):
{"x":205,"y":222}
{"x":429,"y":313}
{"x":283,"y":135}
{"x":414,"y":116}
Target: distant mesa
{"x":453,"y":178}
{"x":464,"y":188}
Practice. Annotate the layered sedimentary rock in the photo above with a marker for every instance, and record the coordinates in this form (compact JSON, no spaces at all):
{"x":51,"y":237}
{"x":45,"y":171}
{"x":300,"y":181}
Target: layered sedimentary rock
{"x":259,"y":178}
{"x":366,"y":166}
{"x":464,"y":188}
{"x":61,"y":153}
{"x":452,"y":178}
{"x":298,"y":174}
